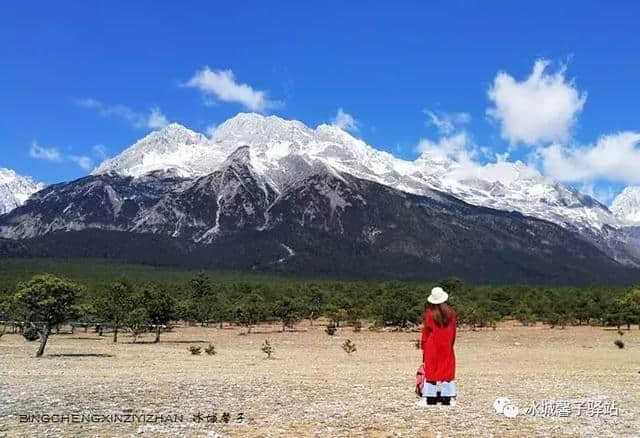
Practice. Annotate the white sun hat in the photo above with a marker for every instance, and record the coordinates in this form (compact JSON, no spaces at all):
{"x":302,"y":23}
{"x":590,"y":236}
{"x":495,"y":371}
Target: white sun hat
{"x":438,"y":296}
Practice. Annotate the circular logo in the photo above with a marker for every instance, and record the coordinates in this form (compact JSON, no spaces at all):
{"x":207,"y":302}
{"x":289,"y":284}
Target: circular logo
{"x":500,"y":403}
{"x":510,"y":411}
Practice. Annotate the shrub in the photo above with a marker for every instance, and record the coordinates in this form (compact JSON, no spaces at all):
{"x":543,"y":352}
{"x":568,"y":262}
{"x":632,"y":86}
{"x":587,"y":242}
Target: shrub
{"x":619,"y":343}
{"x":194,"y":349}
{"x":210,"y":350}
{"x":31,"y":334}
{"x":349,"y":346}
{"x":331,"y":329}
{"x":267,"y":348}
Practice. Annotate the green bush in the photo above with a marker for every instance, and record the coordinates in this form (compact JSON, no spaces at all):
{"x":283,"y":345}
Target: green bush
{"x":349,"y":346}
{"x":331,"y":329}
{"x":267,"y":349}
{"x":195,"y":350}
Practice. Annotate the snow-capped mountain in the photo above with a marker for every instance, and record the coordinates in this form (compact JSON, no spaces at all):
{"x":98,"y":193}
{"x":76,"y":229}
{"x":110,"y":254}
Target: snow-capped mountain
{"x":280,"y":150}
{"x":15,"y":189}
{"x":268,"y":193}
{"x":323,"y":223}
{"x":626,"y":206}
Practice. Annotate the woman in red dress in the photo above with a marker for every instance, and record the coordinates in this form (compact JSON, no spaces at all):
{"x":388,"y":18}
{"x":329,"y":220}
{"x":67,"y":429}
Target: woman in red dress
{"x":438,"y":357}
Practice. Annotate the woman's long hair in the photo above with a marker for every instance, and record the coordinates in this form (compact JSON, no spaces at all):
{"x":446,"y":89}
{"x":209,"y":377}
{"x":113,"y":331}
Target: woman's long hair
{"x":441,"y":313}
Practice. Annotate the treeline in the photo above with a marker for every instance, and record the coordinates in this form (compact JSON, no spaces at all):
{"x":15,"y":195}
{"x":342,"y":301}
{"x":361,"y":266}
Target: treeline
{"x":137,"y":303}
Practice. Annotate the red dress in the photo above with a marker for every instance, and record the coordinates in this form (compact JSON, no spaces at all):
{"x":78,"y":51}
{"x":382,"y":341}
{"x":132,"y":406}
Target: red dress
{"x":437,"y":349}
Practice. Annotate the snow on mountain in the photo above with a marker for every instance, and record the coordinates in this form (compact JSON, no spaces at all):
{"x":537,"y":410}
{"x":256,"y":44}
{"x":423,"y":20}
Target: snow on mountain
{"x":15,"y":189}
{"x":173,"y":147}
{"x":626,"y":206}
{"x":281,"y":150}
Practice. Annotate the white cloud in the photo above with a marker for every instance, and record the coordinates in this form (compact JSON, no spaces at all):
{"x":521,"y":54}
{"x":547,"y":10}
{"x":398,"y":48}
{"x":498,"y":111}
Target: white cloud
{"x":462,"y":154}
{"x":345,"y":121}
{"x":211,"y":130}
{"x":155,"y":119}
{"x":603,"y":193}
{"x":83,"y":161}
{"x":222,"y":84}
{"x":99,"y":151}
{"x":42,"y":153}
{"x":456,"y":147}
{"x":446,"y":123}
{"x":53,"y":154}
{"x":614,"y":157}
{"x":542,"y":108}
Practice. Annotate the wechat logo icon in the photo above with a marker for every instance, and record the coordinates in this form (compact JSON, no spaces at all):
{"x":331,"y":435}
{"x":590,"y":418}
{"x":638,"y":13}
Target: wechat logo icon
{"x":504,"y":406}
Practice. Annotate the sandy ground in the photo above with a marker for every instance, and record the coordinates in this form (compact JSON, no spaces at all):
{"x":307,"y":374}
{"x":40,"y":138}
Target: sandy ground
{"x":311,"y":387}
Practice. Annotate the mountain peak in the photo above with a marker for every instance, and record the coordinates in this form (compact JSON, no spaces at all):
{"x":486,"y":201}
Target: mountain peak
{"x":626,"y":205}
{"x":7,"y":175}
{"x":15,"y":189}
{"x":256,"y":129}
{"x":176,"y":132}
{"x":167,"y":148}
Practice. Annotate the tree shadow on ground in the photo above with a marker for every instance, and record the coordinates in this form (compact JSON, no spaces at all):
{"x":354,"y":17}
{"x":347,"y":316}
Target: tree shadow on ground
{"x":268,"y":332}
{"x":80,"y":355}
{"x":196,"y":341}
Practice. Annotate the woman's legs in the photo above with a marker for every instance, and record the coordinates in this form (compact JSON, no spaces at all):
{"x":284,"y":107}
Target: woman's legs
{"x":448,"y":393}
{"x":430,"y":391}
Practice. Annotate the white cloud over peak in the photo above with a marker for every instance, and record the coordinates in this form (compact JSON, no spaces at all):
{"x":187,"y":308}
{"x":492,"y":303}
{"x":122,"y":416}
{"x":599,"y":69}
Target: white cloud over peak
{"x":211,"y":130}
{"x":43,"y":153}
{"x":82,"y":161}
{"x":54,"y":155}
{"x":222,"y":85}
{"x":345,"y":121}
{"x":446,"y":123}
{"x":460,"y":150}
{"x":155,"y":119}
{"x":603,"y":193}
{"x":99,"y":151}
{"x":614,"y":157}
{"x":456,"y":147}
{"x":542,"y":108}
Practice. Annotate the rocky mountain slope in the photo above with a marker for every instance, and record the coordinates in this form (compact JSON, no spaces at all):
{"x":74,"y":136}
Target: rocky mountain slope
{"x":322,"y":223}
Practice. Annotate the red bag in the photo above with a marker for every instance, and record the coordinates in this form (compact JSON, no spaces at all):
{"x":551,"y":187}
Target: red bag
{"x":420,"y":378}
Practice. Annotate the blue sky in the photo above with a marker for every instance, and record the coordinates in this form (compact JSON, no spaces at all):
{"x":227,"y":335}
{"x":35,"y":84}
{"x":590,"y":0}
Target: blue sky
{"x":79,"y":74}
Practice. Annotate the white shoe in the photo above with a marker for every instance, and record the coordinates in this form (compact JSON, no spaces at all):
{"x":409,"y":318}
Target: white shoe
{"x":422,"y":403}
{"x":452,"y":402}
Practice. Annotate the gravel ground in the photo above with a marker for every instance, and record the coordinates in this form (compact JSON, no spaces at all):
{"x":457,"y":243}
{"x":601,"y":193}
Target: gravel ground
{"x":311,"y":387}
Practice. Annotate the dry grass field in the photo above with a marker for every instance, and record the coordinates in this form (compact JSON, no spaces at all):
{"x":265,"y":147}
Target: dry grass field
{"x":311,"y":387}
